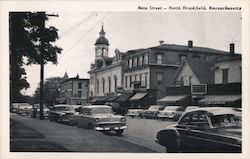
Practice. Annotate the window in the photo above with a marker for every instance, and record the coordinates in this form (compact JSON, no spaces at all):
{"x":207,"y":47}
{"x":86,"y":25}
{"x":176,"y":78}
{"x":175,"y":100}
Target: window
{"x":159,"y":77}
{"x":115,"y":79}
{"x":79,"y":94}
{"x":135,"y":62}
{"x":130,"y":63}
{"x":135,"y":77}
{"x":146,"y":59}
{"x":224,"y":75}
{"x":130,"y":81}
{"x":140,"y":77}
{"x":80,"y":85}
{"x":140,"y":61}
{"x":109,"y":81}
{"x":126,"y":81}
{"x":197,"y":119}
{"x":97,"y":86}
{"x":103,"y":85}
{"x":146,"y":80}
{"x":159,"y":58}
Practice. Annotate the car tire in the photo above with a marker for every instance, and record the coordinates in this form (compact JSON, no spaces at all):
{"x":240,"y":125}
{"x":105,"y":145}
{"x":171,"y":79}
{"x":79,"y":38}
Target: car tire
{"x":119,"y":132}
{"x":163,"y":119}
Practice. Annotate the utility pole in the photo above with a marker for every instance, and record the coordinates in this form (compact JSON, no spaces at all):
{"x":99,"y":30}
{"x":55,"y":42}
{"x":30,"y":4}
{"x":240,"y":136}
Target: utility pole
{"x":42,"y":16}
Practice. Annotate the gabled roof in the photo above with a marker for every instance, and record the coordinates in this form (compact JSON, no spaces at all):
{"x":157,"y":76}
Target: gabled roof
{"x":186,"y":48}
{"x":202,"y":69}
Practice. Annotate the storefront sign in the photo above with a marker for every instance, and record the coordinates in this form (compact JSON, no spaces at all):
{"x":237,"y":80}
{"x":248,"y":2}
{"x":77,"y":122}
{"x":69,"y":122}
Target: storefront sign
{"x":199,"y":89}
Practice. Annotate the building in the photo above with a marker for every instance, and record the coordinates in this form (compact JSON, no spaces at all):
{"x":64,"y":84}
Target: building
{"x":139,"y":77}
{"x":74,"y":91}
{"x":106,"y":72}
{"x":154,"y":68}
{"x":228,"y":71}
{"x":198,"y":82}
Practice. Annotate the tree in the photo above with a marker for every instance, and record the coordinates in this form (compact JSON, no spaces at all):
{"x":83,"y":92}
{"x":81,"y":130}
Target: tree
{"x":51,"y":90}
{"x":26,"y":34}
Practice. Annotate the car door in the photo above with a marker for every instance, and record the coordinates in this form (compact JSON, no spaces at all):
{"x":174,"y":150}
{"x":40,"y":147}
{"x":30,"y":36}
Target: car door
{"x":193,"y":132}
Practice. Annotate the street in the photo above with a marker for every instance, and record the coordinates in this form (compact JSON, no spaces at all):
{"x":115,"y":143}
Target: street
{"x":139,"y":136}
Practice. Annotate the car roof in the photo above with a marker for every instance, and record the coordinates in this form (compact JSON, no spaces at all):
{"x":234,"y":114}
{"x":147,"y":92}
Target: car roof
{"x":97,"y":106}
{"x":62,"y":105}
{"x":214,"y":110}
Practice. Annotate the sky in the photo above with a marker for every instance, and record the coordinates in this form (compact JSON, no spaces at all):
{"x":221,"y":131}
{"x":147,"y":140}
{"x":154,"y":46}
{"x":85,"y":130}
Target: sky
{"x":78,"y":32}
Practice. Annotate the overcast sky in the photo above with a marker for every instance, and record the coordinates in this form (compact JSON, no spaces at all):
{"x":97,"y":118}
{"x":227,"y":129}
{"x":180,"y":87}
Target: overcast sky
{"x":78,"y":32}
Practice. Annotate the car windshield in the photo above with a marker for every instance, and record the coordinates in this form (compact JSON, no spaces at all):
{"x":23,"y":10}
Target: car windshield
{"x":171,"y":108}
{"x":101,"y":110}
{"x":225,"y":120}
{"x":154,"y":108}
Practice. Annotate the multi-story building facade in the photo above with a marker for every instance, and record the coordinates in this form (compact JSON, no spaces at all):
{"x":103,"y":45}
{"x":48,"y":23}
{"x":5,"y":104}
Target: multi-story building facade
{"x":74,"y":91}
{"x":106,"y":72}
{"x":145,"y":72}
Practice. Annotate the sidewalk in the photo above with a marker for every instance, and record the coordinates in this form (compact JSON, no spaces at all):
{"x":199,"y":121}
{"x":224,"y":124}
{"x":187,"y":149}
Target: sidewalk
{"x":78,"y":139}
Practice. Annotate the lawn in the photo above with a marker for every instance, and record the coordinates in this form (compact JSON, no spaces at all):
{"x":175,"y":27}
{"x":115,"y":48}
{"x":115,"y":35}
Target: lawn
{"x":25,"y":139}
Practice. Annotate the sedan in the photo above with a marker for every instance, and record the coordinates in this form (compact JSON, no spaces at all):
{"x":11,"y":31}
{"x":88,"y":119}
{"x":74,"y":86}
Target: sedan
{"x":100,"y":118}
{"x":152,"y":111}
{"x":207,"y":129}
{"x":62,"y":113}
{"x":171,"y":112}
{"x":35,"y":111}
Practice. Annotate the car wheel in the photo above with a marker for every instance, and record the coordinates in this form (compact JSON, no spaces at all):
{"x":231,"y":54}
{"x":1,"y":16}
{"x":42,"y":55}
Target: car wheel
{"x":119,"y":132}
{"x":163,"y":119}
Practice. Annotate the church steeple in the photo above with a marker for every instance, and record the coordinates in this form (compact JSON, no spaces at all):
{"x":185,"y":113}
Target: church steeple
{"x":102,"y":32}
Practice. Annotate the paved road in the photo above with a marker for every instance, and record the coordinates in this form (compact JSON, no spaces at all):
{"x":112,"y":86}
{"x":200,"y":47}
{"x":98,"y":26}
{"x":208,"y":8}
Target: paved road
{"x":139,"y":136}
{"x":79,"y":140}
{"x":143,"y":132}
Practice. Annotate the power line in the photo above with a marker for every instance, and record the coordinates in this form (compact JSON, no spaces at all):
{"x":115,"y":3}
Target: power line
{"x":75,"y":27}
{"x":82,"y":37}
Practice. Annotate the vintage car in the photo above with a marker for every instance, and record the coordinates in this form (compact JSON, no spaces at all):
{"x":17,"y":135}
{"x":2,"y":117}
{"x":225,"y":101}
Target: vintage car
{"x":100,"y":118}
{"x":14,"y":107}
{"x":135,"y":112}
{"x":152,"y":111}
{"x":207,"y":129}
{"x":23,"y":108}
{"x":171,"y":112}
{"x":35,"y":111}
{"x":62,"y":113}
{"x":178,"y":115}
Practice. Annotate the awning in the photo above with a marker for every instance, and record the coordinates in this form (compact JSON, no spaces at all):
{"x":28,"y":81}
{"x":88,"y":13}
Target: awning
{"x":138,"y":96}
{"x":99,"y":99}
{"x":111,"y":98}
{"x":172,"y":99}
{"x":220,"y":99}
{"x":124,"y":97}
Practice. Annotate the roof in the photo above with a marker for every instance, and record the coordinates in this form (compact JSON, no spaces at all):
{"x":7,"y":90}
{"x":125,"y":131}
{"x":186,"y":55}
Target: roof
{"x":202,"y":69}
{"x":215,"y":110}
{"x":186,"y":48}
{"x":231,"y":58}
{"x":75,"y":79}
{"x":97,"y":106}
{"x":102,"y":40}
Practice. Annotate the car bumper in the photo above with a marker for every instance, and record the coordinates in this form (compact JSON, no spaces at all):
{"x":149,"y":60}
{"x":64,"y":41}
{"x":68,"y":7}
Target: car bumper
{"x":109,"y":127}
{"x":165,"y":116}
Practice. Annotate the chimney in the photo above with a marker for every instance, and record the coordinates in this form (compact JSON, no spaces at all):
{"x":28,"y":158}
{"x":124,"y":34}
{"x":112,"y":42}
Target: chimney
{"x":231,"y":46}
{"x":161,"y":42}
{"x":190,"y":44}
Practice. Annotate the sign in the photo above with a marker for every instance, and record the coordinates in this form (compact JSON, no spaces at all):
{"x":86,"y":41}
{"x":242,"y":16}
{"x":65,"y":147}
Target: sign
{"x":199,"y":89}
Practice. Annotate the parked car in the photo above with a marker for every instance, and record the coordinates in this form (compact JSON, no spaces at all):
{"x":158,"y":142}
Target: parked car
{"x":177,"y":116}
{"x":14,"y":107}
{"x":100,"y":118}
{"x":35,"y":111}
{"x":23,"y":108}
{"x":135,"y":112}
{"x":62,"y":113}
{"x":152,"y":111}
{"x":170,"y":112}
{"x":207,"y":129}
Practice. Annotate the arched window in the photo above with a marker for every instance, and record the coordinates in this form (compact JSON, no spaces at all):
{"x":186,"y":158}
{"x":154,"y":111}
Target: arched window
{"x":109,"y":81}
{"x":103,"y":85}
{"x":97,"y":86}
{"x":115,"y":79}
